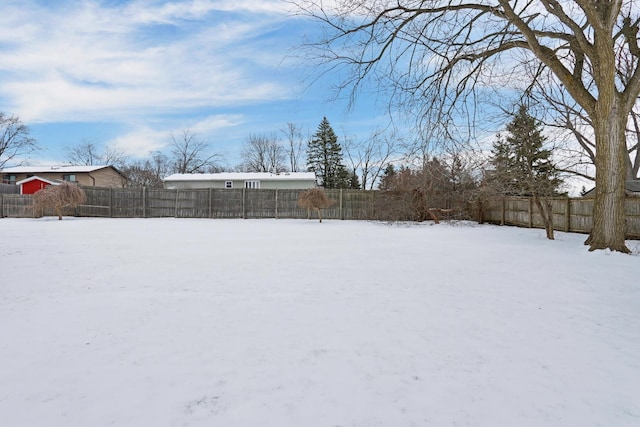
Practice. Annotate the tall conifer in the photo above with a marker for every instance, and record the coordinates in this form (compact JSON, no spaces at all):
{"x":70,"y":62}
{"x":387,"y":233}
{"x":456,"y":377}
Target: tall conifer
{"x":324,"y":157}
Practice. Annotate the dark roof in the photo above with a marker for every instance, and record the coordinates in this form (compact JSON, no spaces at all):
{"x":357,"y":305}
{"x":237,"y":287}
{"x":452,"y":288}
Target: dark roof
{"x":630,"y":186}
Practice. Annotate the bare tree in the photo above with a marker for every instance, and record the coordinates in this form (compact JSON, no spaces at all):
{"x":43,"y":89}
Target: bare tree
{"x":190,"y":154}
{"x":15,"y":141}
{"x":370,"y":156}
{"x":85,"y":153}
{"x":58,"y":197}
{"x":113,"y":156}
{"x":88,"y":154}
{"x":559,"y":111}
{"x":262,"y":153}
{"x":149,"y":172}
{"x":295,"y":147}
{"x":437,"y":53}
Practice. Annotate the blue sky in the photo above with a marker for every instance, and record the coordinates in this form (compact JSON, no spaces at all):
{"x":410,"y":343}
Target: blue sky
{"x":128,"y":73}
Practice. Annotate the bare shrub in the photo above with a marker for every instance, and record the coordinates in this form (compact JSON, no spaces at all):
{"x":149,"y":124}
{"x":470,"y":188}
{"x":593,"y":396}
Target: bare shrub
{"x":58,"y":197}
{"x":315,"y":199}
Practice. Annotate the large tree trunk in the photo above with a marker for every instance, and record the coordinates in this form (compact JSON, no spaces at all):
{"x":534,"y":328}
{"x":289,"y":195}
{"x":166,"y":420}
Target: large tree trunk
{"x":608,"y":230}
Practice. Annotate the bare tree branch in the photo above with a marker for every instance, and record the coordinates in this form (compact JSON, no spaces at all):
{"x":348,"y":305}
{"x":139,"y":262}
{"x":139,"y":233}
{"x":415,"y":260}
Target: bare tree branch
{"x":15,"y":141}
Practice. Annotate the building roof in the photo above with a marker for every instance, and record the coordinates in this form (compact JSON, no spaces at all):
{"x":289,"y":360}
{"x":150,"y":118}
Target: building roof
{"x":55,"y":169}
{"x":39,"y":178}
{"x":630,"y":186}
{"x":247,"y":176}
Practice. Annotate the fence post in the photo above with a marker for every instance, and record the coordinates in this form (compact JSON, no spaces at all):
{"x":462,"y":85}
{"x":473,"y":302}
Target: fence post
{"x":530,"y":212}
{"x":340,"y":210}
{"x":372,"y":212}
{"x":276,"y":203}
{"x":1,"y":205}
{"x":568,"y":211}
{"x":175,"y":213}
{"x":111,"y":202}
{"x":244,"y":212}
{"x":210,"y":200}
{"x":144,"y":202}
{"x":502,"y":212}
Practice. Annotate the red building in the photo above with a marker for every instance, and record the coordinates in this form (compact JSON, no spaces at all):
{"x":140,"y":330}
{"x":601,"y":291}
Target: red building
{"x":32,"y":184}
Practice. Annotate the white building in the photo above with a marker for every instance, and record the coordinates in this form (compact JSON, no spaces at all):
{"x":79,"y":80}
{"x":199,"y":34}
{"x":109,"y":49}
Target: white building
{"x":253,"y":180}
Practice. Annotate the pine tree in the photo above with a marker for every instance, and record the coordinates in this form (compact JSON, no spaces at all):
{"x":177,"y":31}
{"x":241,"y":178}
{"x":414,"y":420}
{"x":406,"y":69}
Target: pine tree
{"x":324,"y":157}
{"x":388,"y":178}
{"x":354,"y":181}
{"x":523,"y":167}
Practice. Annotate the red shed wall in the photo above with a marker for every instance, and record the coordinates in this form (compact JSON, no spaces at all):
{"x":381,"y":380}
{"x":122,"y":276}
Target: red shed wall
{"x":33,"y":186}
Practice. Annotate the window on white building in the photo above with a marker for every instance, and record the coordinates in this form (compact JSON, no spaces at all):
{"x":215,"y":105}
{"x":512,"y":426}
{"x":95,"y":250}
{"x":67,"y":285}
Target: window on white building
{"x":252,"y":184}
{"x":71,"y":178}
{"x":228,"y":184}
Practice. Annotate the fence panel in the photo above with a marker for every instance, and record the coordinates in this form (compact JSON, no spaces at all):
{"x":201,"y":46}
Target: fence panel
{"x":16,"y":206}
{"x":260,"y":203}
{"x":127,"y":203}
{"x":98,"y":202}
{"x":192,"y":203}
{"x":227,"y":203}
{"x":288,"y":204}
{"x":632,"y":212}
{"x":160,"y":203}
{"x":581,"y":216}
{"x":9,"y":189}
{"x":358,"y":205}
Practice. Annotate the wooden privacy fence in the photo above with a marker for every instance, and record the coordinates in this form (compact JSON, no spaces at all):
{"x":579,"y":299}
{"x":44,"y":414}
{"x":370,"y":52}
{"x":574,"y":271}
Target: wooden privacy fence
{"x":9,"y":189}
{"x":571,"y":215}
{"x":200,"y":203}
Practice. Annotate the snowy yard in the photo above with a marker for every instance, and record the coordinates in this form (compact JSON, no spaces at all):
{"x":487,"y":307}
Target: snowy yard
{"x":165,"y":322}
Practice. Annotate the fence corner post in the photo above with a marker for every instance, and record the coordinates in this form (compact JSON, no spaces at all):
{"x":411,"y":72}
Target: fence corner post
{"x":567,"y":227}
{"x":340,"y":210}
{"x":502,"y":214}
{"x":530,"y":212}
{"x":144,"y":202}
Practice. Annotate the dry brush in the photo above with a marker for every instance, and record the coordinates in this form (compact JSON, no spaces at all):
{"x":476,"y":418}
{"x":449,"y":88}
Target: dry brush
{"x":315,"y":199}
{"x":57,"y":197}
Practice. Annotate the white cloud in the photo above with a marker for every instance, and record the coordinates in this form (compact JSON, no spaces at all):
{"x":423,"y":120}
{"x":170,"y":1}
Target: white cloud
{"x":142,"y":139}
{"x":92,"y":62}
{"x":216,"y":122}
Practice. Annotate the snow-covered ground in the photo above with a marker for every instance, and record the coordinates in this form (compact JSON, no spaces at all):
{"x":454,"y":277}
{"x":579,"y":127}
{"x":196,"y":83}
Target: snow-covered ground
{"x":165,"y":322}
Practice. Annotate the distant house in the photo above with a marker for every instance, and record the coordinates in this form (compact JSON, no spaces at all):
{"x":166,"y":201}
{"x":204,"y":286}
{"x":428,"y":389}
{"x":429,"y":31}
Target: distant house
{"x":632,"y":188}
{"x":33,"y":184}
{"x":90,"y":176}
{"x":253,"y":180}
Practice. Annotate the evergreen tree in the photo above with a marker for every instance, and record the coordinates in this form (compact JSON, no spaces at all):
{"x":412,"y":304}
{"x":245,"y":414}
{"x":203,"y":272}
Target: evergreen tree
{"x":523,"y":167}
{"x":354,"y":181}
{"x":387,"y":181}
{"x":324,"y":157}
